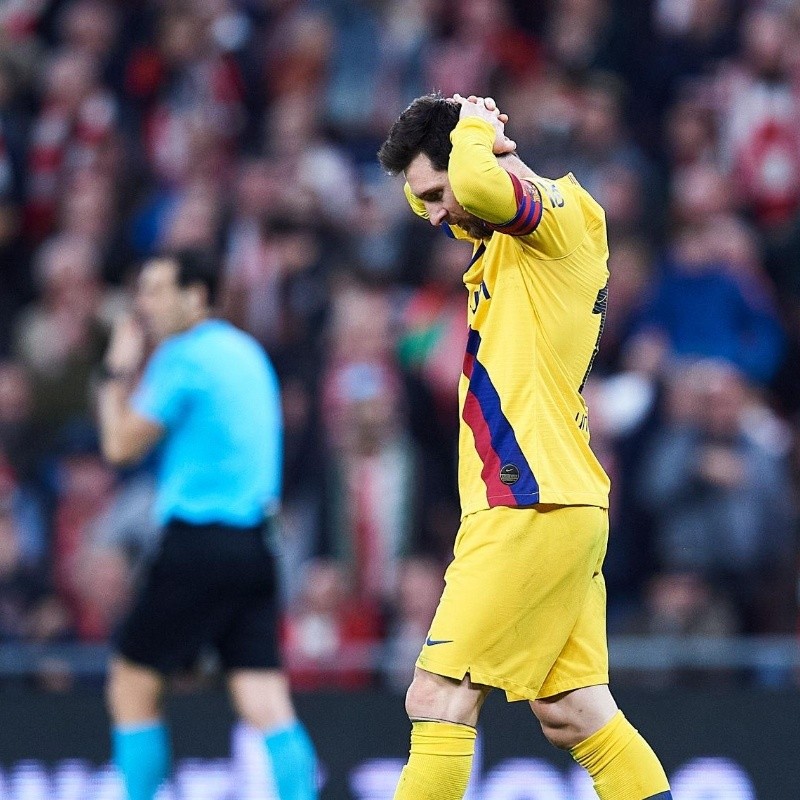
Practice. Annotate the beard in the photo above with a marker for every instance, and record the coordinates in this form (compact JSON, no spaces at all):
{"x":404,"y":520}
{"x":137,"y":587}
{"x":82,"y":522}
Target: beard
{"x":475,"y":227}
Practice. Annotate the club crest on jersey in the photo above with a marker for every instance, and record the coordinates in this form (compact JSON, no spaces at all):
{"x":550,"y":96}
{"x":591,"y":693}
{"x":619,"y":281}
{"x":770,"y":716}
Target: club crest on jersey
{"x":509,"y":474}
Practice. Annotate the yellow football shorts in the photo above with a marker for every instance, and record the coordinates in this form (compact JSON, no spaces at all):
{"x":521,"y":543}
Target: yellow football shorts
{"x":524,"y":604}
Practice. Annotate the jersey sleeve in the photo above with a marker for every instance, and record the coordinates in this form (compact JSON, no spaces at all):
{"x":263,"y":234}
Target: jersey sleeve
{"x":165,"y":389}
{"x":483,"y":188}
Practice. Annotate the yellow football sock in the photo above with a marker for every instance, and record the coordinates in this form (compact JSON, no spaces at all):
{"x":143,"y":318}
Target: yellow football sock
{"x":439,"y":764}
{"x":622,"y":765}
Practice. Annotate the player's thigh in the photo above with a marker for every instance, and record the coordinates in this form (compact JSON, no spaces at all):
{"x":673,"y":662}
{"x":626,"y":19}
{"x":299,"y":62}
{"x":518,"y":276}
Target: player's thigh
{"x":583,"y":659}
{"x":513,"y":594}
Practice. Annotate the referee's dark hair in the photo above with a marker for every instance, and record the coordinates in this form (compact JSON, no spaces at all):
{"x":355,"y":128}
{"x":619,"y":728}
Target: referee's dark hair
{"x":196,"y":266}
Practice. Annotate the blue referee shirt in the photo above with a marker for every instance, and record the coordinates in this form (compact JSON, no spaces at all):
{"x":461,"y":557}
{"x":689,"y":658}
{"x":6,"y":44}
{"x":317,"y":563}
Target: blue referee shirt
{"x":215,"y":393}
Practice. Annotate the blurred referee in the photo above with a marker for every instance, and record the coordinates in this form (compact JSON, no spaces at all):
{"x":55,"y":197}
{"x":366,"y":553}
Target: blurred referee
{"x":209,"y":396}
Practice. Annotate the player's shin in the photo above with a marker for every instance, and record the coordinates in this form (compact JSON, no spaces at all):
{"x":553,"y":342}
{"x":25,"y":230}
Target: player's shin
{"x":439,"y":762}
{"x":142,"y":755}
{"x":622,"y":765}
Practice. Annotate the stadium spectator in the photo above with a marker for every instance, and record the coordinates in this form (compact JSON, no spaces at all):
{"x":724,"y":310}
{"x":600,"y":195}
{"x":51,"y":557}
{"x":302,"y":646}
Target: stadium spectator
{"x":23,"y":586}
{"x":21,"y":442}
{"x":419,"y":587}
{"x":372,"y":478}
{"x":76,"y":127}
{"x":61,"y":338}
{"x":329,"y":636}
{"x":676,"y":605}
{"x":698,"y":309}
{"x":759,"y":110}
{"x":717,"y":482}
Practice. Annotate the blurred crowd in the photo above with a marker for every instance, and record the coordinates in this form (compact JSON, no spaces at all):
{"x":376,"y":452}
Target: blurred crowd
{"x":250,"y":127}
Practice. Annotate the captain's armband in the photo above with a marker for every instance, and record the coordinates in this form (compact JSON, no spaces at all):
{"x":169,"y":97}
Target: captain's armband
{"x":529,"y":209}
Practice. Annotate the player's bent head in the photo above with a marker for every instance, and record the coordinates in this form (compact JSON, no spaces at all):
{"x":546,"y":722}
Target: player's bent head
{"x":424,"y":127}
{"x":176,"y":289}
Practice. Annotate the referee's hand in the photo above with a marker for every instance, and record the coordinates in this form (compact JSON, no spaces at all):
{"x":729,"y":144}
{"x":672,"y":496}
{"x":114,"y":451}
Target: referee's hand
{"x":127,"y":346}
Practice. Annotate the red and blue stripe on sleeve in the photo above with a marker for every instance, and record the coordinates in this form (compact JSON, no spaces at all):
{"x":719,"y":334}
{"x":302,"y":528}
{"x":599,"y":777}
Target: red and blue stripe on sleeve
{"x":529,"y":209}
{"x":495,"y":440}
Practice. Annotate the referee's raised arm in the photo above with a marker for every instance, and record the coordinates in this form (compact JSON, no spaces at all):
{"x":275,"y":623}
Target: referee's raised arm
{"x":124,"y":434}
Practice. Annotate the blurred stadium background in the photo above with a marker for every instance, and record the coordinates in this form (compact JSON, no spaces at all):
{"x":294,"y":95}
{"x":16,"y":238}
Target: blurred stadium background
{"x":250,"y":127}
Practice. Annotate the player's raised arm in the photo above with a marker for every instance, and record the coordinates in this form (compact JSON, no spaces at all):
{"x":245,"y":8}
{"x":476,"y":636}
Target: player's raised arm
{"x":480,"y":184}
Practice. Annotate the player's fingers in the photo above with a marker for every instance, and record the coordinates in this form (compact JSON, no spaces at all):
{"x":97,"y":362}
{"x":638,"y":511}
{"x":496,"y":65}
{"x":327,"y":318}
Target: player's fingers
{"x":490,"y":103}
{"x":503,"y":118}
{"x":505,"y":146}
{"x":473,"y":98}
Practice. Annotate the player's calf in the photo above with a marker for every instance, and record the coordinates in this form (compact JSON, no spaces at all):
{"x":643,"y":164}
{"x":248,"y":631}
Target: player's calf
{"x":588,"y":724}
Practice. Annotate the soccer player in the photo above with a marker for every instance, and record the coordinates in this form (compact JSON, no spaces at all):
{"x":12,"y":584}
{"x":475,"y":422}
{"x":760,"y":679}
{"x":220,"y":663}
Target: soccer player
{"x":523,"y":607}
{"x":210,"y":399}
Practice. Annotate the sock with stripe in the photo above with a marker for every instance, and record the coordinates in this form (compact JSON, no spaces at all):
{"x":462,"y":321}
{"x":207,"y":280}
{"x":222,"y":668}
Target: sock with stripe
{"x":439,"y":763}
{"x":622,"y":765}
{"x":142,"y":755}
{"x":293,"y":762}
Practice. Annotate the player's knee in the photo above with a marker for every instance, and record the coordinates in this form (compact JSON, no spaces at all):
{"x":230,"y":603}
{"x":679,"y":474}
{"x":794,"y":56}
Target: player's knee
{"x":421,"y":698}
{"x":435,"y":697}
{"x":562,"y":737}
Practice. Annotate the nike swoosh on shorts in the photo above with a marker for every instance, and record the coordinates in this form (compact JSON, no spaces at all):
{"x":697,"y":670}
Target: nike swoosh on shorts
{"x":431,"y":642}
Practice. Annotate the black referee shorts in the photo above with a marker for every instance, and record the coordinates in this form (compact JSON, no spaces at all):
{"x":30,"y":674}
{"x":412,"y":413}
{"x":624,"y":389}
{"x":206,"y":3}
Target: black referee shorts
{"x":208,"y":585}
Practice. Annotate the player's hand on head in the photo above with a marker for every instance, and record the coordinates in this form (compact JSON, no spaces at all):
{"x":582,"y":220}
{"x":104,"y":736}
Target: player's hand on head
{"x":127,"y":345}
{"x":490,"y":105}
{"x":486,"y":108}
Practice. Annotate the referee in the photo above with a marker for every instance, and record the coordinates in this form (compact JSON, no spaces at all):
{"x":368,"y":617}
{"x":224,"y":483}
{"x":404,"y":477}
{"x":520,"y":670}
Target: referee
{"x":209,"y":397}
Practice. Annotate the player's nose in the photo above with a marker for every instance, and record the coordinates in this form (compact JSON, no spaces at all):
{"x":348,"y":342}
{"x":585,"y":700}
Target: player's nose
{"x":437,"y":215}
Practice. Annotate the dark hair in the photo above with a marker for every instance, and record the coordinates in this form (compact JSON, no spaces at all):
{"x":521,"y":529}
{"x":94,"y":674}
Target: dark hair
{"x":195,"y":266}
{"x":424,"y":127}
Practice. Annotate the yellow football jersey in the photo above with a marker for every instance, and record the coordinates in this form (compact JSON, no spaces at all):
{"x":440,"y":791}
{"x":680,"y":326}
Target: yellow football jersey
{"x":537,"y":298}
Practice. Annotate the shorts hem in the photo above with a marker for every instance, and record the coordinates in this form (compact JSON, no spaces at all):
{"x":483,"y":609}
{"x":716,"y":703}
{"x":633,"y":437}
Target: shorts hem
{"x":138,"y":661}
{"x":598,"y":679}
{"x":515,"y":692}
